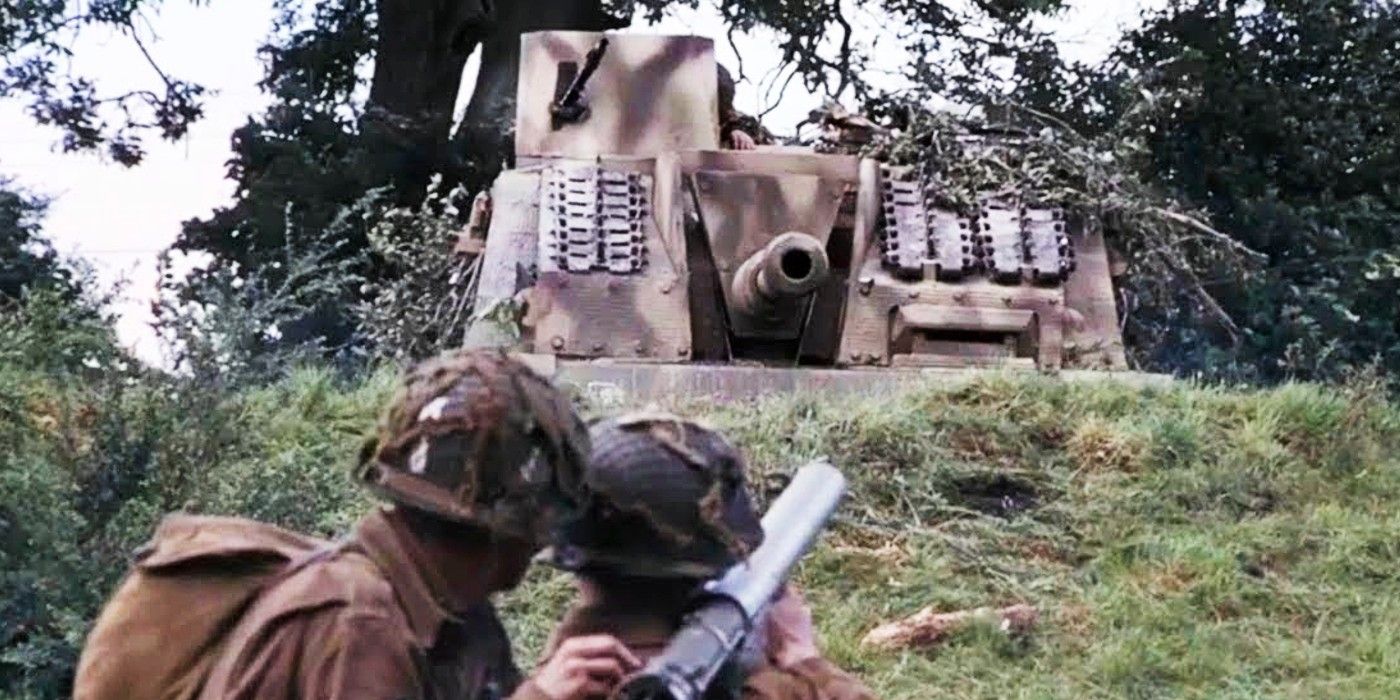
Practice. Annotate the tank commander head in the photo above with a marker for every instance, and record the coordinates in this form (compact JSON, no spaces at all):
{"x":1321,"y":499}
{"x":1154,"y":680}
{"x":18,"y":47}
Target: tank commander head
{"x":670,"y":510}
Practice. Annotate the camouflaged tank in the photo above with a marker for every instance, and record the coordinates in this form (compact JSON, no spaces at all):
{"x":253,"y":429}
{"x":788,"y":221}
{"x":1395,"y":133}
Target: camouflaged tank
{"x":644,"y":257}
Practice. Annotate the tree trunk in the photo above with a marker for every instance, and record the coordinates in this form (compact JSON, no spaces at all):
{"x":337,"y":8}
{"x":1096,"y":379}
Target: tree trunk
{"x":482,"y":141}
{"x":421,"y":51}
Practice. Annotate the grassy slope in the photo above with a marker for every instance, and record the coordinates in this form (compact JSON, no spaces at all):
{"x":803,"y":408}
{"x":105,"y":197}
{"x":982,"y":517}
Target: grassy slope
{"x":1183,"y":542}
{"x":1180,"y":543}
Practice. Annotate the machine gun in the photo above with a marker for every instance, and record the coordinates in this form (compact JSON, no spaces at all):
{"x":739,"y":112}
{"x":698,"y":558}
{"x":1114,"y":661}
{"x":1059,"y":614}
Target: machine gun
{"x":569,"y":106}
{"x":727,"y":609}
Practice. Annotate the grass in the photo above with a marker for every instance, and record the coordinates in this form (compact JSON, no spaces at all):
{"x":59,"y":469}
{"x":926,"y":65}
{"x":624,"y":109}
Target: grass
{"x":1182,"y":542}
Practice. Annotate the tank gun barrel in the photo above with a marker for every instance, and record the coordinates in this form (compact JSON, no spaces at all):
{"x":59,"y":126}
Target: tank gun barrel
{"x":790,"y":267}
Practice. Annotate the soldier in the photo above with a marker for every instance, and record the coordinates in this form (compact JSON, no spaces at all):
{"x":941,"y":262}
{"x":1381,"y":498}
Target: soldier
{"x":670,"y":510}
{"x":844,"y":131}
{"x":475,"y":453}
{"x":477,"y":456}
{"x":737,"y":130}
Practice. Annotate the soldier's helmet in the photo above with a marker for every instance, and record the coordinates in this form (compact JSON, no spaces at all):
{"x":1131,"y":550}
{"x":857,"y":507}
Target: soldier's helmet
{"x":479,"y":438}
{"x":667,"y":498}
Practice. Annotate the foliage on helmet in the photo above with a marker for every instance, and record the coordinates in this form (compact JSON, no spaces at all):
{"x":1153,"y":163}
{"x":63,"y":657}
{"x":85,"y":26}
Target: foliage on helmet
{"x":667,"y":497}
{"x":479,"y":438}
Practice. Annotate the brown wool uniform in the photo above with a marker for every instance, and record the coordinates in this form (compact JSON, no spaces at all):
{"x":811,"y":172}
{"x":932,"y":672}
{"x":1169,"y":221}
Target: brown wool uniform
{"x":363,"y":623}
{"x":646,"y":636}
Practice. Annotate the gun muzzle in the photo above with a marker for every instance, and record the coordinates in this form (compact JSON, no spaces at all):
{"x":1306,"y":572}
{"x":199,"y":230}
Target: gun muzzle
{"x":729,"y":607}
{"x":790,"y":267}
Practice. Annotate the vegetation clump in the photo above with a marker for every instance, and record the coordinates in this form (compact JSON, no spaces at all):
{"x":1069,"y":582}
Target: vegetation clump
{"x":1184,"y":540}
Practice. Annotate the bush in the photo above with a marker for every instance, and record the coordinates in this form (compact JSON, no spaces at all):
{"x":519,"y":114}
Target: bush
{"x":423,"y":306}
{"x":95,"y":449}
{"x":88,"y":467}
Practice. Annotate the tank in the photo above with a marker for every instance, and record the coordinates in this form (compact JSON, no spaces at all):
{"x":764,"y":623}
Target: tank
{"x":645,"y":257}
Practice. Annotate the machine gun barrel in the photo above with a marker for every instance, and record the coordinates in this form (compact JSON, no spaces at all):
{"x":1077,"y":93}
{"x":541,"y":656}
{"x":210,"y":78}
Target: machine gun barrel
{"x":731,"y":605}
{"x":790,"y":267}
{"x":570,"y":106}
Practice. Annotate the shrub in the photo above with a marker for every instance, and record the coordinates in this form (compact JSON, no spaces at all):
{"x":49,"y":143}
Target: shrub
{"x":1186,"y":541}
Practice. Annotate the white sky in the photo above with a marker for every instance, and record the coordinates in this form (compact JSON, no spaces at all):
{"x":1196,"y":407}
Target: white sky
{"x":120,"y":219}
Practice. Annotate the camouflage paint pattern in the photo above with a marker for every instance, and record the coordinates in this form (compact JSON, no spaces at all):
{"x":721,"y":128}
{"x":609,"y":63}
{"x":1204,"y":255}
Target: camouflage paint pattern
{"x":652,"y":112}
{"x":649,"y":95}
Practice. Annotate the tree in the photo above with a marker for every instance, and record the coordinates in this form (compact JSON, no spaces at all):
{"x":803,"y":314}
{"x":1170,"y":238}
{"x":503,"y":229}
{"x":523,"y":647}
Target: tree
{"x":27,"y":259}
{"x":51,"y":316}
{"x":1282,"y":120}
{"x":35,"y":41}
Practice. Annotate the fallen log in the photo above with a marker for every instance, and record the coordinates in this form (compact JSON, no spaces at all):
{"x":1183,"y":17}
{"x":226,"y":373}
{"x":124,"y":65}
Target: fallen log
{"x":928,"y":628}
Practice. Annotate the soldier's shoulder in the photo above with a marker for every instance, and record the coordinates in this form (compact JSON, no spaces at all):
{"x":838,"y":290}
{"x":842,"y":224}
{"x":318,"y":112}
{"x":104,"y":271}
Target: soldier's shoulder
{"x":344,"y":579}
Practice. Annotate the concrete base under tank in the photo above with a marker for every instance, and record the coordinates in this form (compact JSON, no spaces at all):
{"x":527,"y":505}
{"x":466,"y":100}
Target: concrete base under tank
{"x":615,"y":382}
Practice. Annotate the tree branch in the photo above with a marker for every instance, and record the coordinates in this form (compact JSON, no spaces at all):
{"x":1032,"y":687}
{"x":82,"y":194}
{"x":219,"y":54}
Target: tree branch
{"x":1213,"y":306}
{"x":1050,"y":118}
{"x":845,"y":60}
{"x":150,"y":60}
{"x":1197,"y":224}
{"x":781,"y":93}
{"x":738,"y":55}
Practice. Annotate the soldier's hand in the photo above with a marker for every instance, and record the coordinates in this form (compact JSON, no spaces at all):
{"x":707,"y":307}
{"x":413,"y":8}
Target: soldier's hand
{"x":791,"y":637}
{"x":584,"y":667}
{"x":741,"y":140}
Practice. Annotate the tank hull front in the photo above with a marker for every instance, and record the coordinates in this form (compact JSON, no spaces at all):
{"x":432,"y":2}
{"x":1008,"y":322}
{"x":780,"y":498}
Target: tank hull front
{"x":632,"y":254}
{"x":608,"y":381}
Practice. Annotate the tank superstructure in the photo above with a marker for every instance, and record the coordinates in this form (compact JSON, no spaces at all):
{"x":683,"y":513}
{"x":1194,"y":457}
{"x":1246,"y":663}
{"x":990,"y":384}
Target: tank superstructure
{"x":648,"y":256}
